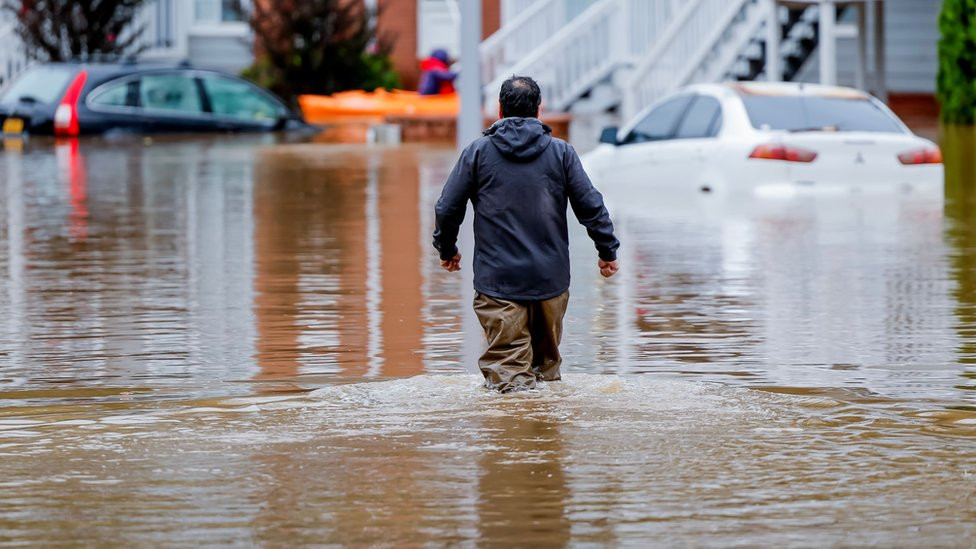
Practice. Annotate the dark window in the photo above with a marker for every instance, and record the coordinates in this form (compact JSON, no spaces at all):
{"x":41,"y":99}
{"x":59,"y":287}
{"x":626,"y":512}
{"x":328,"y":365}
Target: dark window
{"x":703,"y":119}
{"x":799,"y":113}
{"x":229,"y":11}
{"x":39,"y":85}
{"x":170,"y":92}
{"x":217,"y":11}
{"x":660,"y":122}
{"x":117,"y":94}
{"x":236,"y":99}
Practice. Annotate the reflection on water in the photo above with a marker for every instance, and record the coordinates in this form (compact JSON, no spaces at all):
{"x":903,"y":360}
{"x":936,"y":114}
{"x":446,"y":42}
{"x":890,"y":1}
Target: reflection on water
{"x":960,"y":157}
{"x":786,"y":370}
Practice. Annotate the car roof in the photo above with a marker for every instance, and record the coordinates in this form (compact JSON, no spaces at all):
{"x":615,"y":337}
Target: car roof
{"x":100,"y":70}
{"x":780,"y":89}
{"x":794,"y":89}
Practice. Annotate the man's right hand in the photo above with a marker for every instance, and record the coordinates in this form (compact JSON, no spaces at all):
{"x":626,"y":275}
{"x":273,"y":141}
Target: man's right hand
{"x":608,"y":268}
{"x":453,"y":264}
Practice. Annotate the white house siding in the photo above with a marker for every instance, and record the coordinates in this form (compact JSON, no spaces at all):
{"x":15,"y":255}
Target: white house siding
{"x":437,"y":27}
{"x":911,"y":40}
{"x":228,"y":53}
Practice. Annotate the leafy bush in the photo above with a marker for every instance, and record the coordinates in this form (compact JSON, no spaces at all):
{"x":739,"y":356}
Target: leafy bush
{"x":957,"y":61}
{"x":317,"y":46}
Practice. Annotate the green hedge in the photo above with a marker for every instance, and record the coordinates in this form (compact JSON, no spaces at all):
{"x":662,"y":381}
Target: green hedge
{"x":957,"y":61}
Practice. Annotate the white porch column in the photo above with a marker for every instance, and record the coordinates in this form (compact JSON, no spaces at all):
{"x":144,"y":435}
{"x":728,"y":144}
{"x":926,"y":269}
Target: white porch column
{"x":469,"y":119}
{"x":880,"y":80}
{"x":828,"y":43}
{"x":860,"y":80}
{"x":774,"y":69}
{"x":184,"y":19}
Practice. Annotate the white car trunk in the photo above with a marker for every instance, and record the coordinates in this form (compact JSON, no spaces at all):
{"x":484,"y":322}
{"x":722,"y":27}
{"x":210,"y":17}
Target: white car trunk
{"x":861,"y":159}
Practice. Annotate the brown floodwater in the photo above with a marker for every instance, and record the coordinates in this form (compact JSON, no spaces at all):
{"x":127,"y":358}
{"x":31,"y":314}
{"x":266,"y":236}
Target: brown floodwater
{"x":244,"y":341}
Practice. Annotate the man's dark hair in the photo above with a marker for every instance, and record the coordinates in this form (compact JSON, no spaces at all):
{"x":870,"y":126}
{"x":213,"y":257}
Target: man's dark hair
{"x":520,"y":96}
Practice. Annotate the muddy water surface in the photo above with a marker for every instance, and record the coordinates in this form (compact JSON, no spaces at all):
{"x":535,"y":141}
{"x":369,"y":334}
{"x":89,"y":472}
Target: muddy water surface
{"x":241,"y":342}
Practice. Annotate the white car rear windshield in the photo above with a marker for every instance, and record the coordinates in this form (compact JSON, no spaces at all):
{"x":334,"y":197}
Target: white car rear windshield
{"x":38,"y":85}
{"x":817,"y":113}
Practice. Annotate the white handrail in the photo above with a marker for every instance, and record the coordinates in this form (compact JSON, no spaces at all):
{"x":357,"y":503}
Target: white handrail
{"x":607,"y":35}
{"x":524,"y":34}
{"x":691,"y":36}
{"x":727,"y":50}
{"x":584,"y":51}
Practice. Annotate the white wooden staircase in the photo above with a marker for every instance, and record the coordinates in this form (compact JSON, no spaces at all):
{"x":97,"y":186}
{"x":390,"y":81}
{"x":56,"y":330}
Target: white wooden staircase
{"x":639,"y":50}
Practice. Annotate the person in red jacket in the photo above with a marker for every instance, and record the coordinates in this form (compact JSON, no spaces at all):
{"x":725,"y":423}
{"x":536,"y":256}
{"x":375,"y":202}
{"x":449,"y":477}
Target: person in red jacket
{"x":436,"y":76}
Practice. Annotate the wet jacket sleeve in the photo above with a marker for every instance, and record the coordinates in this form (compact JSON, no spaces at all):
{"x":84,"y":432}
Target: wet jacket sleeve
{"x":587,"y":204}
{"x":449,"y":211}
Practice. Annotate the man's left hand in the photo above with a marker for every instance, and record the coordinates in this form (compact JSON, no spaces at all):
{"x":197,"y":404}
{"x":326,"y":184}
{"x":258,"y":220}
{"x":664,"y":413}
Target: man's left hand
{"x":452,"y":265}
{"x":608,"y":268}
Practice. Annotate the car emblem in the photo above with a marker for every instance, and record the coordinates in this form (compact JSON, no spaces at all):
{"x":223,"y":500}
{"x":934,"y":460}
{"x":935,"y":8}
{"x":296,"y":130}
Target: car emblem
{"x":859,"y":159}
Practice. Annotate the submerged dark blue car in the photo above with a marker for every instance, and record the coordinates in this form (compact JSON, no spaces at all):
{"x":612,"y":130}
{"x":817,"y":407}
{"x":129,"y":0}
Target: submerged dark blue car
{"x":68,"y":99}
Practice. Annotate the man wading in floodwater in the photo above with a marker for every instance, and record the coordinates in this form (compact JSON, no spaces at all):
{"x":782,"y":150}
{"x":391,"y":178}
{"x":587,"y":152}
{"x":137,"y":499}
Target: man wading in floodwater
{"x":519,"y":178}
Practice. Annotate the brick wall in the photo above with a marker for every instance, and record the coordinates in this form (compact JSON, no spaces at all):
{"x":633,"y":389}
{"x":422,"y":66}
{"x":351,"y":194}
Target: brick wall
{"x":491,"y":17}
{"x":398,"y":20}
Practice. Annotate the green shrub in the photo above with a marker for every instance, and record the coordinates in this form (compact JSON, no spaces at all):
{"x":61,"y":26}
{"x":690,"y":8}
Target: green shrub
{"x":318,"y":47}
{"x":956,"y":80}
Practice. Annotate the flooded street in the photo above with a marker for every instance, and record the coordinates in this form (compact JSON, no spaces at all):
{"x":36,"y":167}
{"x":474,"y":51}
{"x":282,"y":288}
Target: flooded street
{"x":234,"y":341}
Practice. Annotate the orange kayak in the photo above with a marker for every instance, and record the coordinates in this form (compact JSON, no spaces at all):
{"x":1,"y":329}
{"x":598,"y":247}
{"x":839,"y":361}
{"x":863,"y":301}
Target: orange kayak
{"x":317,"y":108}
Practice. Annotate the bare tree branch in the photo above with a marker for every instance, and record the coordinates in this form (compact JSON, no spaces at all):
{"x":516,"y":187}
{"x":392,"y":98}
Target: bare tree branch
{"x":61,"y":30}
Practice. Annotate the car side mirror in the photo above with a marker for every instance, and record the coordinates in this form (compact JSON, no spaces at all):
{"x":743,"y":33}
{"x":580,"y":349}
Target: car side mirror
{"x":609,"y":135}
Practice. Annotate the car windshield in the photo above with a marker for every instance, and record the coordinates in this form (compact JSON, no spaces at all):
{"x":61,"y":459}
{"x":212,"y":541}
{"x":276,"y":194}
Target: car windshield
{"x":39,"y":85}
{"x":814,"y":113}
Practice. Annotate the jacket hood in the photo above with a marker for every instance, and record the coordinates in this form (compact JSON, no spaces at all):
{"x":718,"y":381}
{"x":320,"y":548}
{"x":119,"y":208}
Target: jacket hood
{"x":519,"y":138}
{"x":441,"y":55}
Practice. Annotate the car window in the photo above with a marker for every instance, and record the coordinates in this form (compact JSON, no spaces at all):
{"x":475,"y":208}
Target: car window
{"x":240,"y":100}
{"x":42,"y":84}
{"x":795,"y":113}
{"x":117,"y":94}
{"x":170,"y":92}
{"x":703,"y":119}
{"x":660,"y":122}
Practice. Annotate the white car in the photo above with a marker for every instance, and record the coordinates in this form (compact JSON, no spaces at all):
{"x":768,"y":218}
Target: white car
{"x":766,"y":138}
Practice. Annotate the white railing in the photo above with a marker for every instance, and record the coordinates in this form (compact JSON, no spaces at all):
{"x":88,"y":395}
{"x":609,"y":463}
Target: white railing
{"x":720,"y":62}
{"x":646,"y":22}
{"x":577,"y":54}
{"x":510,"y":9}
{"x":680,"y":50}
{"x":522,"y":36}
{"x":13,"y":55}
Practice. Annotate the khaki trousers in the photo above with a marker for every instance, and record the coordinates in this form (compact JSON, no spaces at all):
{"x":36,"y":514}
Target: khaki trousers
{"x":523,"y":340}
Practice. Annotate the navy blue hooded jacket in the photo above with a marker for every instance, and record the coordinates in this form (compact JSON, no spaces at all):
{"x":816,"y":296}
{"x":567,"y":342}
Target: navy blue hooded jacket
{"x":519,"y":180}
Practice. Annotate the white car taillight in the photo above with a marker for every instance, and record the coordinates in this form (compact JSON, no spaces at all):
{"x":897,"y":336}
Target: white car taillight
{"x":63,"y":116}
{"x":928,"y":155}
{"x":775,"y":151}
